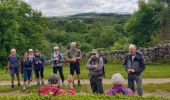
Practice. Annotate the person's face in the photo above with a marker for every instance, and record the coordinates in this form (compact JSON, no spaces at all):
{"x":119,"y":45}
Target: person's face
{"x":37,"y":53}
{"x":132,"y":51}
{"x":26,"y":56}
{"x":94,"y":55}
{"x":73,"y":47}
{"x":31,"y":52}
{"x":13,"y":53}
{"x":55,"y":50}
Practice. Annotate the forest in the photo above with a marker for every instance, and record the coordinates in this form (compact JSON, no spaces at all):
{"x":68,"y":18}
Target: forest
{"x":22,"y":27}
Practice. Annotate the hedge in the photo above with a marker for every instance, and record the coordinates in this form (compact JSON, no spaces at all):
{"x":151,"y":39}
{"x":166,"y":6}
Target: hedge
{"x":81,"y":97}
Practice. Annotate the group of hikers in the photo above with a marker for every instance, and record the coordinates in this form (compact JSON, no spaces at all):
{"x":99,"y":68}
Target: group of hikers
{"x":34,"y":62}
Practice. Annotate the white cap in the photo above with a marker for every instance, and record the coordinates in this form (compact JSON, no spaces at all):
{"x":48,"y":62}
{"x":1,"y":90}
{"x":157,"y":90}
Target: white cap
{"x":30,"y":50}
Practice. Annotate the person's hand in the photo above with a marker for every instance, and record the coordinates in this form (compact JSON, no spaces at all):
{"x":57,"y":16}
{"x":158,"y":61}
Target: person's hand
{"x":74,"y":59}
{"x":95,"y":66}
{"x":132,"y":70}
{"x":128,"y":70}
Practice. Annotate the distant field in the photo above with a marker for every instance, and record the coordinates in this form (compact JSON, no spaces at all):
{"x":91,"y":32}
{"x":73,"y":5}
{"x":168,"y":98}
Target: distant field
{"x":151,"y":71}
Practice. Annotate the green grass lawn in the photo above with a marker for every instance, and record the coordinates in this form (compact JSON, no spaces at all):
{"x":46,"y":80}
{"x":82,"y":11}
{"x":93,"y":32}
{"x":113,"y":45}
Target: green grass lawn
{"x":147,"y":88}
{"x":151,"y":71}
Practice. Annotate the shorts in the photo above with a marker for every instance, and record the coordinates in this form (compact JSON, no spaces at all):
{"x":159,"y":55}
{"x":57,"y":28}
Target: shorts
{"x":27,"y":74}
{"x":74,"y":66}
{"x":14,"y":71}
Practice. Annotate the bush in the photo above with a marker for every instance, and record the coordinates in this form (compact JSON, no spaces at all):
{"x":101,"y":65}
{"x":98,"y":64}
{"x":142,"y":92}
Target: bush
{"x":81,"y":97}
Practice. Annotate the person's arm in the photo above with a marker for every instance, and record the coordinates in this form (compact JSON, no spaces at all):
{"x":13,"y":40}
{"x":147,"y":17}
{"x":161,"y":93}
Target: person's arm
{"x":52,"y":59}
{"x":43,"y":60}
{"x":80,"y":56}
{"x":89,"y":66}
{"x":61,"y":60}
{"x":125,"y":63}
{"x":8,"y":64}
{"x":100,"y":65}
{"x":19,"y":66}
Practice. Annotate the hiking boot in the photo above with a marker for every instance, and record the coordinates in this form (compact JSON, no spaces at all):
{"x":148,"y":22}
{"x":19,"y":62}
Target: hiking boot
{"x":24,"y":88}
{"x":79,"y":84}
{"x":42,"y":83}
{"x":38,"y":83}
{"x":19,"y":84}
{"x":12,"y":86}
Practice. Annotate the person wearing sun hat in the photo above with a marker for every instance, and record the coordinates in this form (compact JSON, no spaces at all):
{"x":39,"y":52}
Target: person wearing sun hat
{"x":95,"y":67}
{"x":57,"y":62}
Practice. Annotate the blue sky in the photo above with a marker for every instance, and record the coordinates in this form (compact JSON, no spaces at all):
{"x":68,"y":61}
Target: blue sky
{"x":70,"y":7}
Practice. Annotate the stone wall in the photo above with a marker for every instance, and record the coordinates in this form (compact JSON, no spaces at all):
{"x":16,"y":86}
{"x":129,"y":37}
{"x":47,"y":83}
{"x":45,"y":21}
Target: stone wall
{"x":152,"y":54}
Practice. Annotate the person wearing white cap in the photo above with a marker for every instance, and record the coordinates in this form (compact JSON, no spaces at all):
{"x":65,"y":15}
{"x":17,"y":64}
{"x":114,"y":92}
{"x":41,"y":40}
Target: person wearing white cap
{"x":31,"y":57}
{"x":95,"y":67}
{"x":57,"y":62}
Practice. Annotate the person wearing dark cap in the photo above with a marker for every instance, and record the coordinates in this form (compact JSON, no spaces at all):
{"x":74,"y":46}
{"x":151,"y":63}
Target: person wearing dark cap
{"x":95,"y":67}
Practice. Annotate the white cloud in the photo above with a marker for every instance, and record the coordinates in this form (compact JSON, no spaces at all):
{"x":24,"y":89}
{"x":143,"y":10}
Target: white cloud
{"x":69,"y":7}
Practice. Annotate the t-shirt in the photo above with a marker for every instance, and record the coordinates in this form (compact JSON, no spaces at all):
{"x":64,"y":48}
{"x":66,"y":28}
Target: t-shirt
{"x":133,"y":57}
{"x":74,"y":53}
{"x":13,"y":61}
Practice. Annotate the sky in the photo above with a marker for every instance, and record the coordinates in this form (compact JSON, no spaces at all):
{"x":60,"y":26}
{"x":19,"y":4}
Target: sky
{"x":70,"y":7}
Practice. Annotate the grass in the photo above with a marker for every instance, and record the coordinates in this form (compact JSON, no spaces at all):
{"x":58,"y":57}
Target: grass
{"x":151,"y":71}
{"x":148,"y":88}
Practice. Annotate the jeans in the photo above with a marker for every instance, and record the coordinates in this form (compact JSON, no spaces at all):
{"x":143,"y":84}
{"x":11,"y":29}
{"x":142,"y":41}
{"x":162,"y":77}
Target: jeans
{"x":131,"y":83}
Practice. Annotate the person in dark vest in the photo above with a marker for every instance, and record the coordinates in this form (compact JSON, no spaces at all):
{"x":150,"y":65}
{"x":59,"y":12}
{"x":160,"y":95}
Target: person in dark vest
{"x":95,"y":67}
{"x":74,"y":56}
{"x":27,"y":69}
{"x":134,"y":66}
{"x":14,"y":66}
{"x":57,"y":62}
{"x":39,"y":62}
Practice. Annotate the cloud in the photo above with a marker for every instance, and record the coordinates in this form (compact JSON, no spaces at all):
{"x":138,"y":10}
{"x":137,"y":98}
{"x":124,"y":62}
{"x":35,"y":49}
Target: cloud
{"x":69,"y":7}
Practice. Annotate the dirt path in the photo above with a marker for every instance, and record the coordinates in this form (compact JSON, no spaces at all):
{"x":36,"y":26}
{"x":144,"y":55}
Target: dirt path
{"x":105,"y":81}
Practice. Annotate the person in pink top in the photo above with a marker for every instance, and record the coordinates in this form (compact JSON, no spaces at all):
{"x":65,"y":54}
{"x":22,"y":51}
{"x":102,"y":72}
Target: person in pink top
{"x":54,"y":87}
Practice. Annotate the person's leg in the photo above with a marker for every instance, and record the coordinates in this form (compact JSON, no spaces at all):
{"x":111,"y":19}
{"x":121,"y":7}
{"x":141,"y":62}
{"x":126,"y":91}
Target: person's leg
{"x":12,"y":77}
{"x":54,"y":70}
{"x":72,"y":71}
{"x":77,"y":68}
{"x":138,"y":80}
{"x":25,"y":78}
{"x":131,"y":83}
{"x":61,"y":73}
{"x":99,"y":85}
{"x":17,"y":75}
{"x":42,"y":74}
{"x":36,"y":70}
{"x":29,"y":77}
{"x":93,"y":85}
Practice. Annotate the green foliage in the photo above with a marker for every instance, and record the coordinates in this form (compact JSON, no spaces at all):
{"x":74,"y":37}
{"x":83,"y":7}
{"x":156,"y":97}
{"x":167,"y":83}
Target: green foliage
{"x":150,"y":17}
{"x":21,"y":27}
{"x":81,"y":97}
